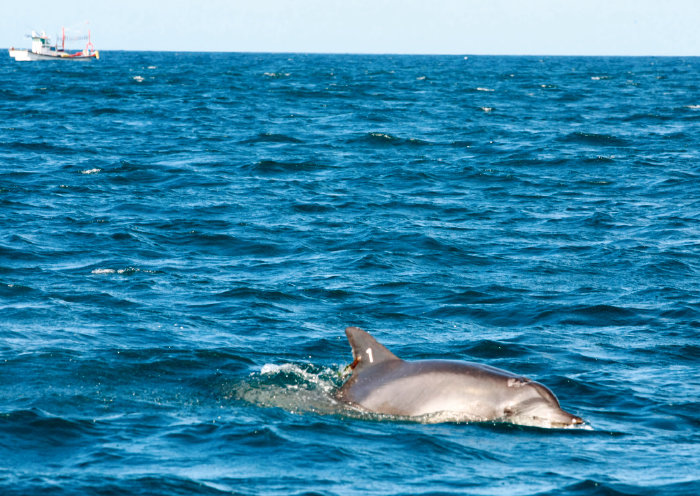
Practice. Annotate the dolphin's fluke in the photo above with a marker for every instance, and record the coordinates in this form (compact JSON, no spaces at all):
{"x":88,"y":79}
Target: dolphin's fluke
{"x":366,"y":350}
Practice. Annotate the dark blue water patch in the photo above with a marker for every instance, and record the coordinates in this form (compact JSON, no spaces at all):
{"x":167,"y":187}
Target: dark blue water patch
{"x":27,"y":425}
{"x":118,"y":485}
{"x":276,"y":167}
{"x":595,"y":139}
{"x":271,"y":138}
{"x":487,"y":349}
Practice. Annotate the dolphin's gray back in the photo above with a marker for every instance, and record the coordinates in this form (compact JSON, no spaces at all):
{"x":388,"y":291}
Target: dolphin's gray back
{"x":457,"y":391}
{"x":397,"y":387}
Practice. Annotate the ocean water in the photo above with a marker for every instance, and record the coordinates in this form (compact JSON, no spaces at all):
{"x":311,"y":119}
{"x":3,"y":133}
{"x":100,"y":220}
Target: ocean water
{"x":184,"y":238}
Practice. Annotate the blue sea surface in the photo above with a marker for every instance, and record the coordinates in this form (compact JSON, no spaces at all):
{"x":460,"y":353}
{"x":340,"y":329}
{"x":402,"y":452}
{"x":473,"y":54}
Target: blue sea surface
{"x":185,"y":236}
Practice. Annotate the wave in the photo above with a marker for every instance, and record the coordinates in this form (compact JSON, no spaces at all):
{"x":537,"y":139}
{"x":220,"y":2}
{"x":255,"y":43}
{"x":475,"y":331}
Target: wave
{"x":284,"y":167}
{"x":112,"y":485}
{"x":58,"y":147}
{"x":126,"y":271}
{"x":489,"y":349}
{"x":271,"y":138}
{"x":602,"y":315}
{"x":54,"y":430}
{"x":649,"y":117}
{"x":604,"y":486}
{"x":106,"y":111}
{"x":594,"y":139}
{"x":259,"y":294}
{"x":385,"y":139}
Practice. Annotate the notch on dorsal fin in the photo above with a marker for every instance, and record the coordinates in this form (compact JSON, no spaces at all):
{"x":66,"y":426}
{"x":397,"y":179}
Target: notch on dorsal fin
{"x":366,"y":350}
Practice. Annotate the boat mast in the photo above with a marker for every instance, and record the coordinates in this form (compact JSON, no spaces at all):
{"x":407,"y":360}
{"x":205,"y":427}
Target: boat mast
{"x":89,"y":47}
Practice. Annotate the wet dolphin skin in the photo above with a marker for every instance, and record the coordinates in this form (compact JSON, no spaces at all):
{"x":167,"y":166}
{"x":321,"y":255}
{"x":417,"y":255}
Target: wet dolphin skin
{"x":444,"y":390}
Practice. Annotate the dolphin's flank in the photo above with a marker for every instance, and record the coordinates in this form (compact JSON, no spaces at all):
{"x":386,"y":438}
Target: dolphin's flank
{"x":443,"y":390}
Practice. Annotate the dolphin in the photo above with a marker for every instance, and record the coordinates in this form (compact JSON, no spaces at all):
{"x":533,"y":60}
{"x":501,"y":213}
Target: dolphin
{"x":444,"y":390}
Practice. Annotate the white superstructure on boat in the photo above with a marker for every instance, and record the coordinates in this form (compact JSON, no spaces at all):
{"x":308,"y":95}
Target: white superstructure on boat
{"x":43,"y":50}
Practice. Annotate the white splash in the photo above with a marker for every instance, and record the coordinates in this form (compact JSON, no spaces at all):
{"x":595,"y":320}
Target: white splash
{"x":295,"y":370}
{"x":103,"y":271}
{"x":291,"y":387}
{"x":126,"y":270}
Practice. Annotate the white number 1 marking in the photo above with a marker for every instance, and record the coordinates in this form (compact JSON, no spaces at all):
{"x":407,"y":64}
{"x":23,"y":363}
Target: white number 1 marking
{"x":369,"y":354}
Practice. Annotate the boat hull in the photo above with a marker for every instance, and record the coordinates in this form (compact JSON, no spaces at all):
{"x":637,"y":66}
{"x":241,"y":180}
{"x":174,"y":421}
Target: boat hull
{"x":27,"y":55}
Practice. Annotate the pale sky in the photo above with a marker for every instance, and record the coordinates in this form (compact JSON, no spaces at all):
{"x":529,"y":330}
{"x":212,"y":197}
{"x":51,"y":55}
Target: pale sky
{"x":515,"y":27}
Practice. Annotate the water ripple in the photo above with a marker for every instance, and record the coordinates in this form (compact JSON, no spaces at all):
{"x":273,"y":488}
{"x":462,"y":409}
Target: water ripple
{"x":183,"y":238}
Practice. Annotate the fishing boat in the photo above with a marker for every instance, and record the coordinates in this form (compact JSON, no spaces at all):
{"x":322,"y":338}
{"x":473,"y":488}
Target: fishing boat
{"x":43,"y":50}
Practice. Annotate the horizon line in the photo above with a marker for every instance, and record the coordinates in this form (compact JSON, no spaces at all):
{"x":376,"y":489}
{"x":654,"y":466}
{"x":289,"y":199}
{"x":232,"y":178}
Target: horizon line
{"x":436,"y":54}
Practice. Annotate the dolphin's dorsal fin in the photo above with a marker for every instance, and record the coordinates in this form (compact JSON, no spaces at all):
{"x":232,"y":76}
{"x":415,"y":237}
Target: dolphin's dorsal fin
{"x":366,"y":350}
